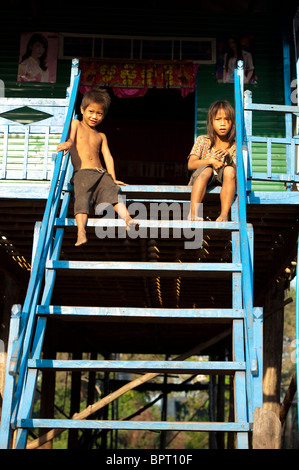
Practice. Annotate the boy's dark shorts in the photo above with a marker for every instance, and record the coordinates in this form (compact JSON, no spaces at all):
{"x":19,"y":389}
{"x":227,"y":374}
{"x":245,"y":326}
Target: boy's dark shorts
{"x":93,"y":186}
{"x":215,"y":180}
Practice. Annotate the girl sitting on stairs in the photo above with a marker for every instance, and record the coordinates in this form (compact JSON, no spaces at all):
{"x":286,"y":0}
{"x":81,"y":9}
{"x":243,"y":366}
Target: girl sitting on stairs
{"x":213,"y":160}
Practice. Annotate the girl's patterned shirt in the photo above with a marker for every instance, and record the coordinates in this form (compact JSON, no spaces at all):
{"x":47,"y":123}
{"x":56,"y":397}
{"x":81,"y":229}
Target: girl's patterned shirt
{"x":202,"y":148}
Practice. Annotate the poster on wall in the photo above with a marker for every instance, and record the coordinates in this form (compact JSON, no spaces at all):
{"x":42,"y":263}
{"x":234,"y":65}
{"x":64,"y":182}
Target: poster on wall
{"x":38,"y":57}
{"x":229,"y":52}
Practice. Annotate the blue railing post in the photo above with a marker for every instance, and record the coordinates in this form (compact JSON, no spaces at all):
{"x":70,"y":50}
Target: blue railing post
{"x":41,"y":250}
{"x":247,"y":274}
{"x":10,"y":379}
{"x":287,"y":100}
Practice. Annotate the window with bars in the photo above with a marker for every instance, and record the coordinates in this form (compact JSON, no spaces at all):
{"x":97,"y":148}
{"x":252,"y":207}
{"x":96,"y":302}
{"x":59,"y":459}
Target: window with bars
{"x":199,"y":50}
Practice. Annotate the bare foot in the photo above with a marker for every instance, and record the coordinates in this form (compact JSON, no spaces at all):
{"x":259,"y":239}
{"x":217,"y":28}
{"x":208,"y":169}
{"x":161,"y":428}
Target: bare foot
{"x":81,"y":238}
{"x":222,"y":218}
{"x":195,"y":218}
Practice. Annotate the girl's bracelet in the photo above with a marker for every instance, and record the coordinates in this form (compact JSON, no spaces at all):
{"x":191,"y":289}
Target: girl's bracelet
{"x":231,"y":160}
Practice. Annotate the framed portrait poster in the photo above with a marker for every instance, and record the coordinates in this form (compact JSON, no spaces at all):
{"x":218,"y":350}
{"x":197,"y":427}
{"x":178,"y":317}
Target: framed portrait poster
{"x":38,"y":57}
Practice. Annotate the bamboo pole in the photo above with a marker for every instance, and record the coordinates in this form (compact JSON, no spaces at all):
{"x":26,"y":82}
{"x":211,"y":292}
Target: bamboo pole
{"x":116,"y":394}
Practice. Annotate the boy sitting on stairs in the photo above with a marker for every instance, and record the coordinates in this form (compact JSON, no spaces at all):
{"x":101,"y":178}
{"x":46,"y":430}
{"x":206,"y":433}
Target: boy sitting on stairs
{"x":92,"y":183}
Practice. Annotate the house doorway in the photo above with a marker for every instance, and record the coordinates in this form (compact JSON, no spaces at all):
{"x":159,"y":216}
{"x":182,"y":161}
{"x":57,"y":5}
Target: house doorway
{"x":150,"y":137}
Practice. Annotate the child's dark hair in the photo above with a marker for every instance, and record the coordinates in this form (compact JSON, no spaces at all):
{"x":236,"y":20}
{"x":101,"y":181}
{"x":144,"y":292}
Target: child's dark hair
{"x":96,"y":95}
{"x":230,"y":113}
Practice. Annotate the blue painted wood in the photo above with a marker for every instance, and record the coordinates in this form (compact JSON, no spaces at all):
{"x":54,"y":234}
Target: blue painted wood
{"x":139,"y":267}
{"x":273,"y":140}
{"x":258,"y":347}
{"x":286,"y":68}
{"x":162,"y":367}
{"x":57,"y":243}
{"x":289,"y":140}
{"x":247,"y":280}
{"x":146,"y":223}
{"x":25,"y":161}
{"x":4,"y":157}
{"x":27,"y":397}
{"x":247,"y":133}
{"x":8,"y":396}
{"x":54,"y":111}
{"x":275,"y":177}
{"x":128,"y":425}
{"x":170,"y":189}
{"x":240,"y":393}
{"x":37,"y":228}
{"x":254,"y":340}
{"x":44,"y":240}
{"x":280,"y":108}
{"x":241,"y":405}
{"x":148,"y":313}
{"x":247,"y":351}
{"x":265,"y":198}
{"x":30,"y":190}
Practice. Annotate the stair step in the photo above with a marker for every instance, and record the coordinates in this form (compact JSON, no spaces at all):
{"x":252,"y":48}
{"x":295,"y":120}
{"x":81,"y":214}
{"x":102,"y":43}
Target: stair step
{"x":161,"y":367}
{"x":130,"y":425}
{"x":145,"y":223}
{"x":142,"y":268}
{"x":148,"y":189}
{"x":149,"y":313}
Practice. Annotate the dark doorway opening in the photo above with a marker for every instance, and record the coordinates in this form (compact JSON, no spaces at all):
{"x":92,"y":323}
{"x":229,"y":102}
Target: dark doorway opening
{"x":150,"y":137}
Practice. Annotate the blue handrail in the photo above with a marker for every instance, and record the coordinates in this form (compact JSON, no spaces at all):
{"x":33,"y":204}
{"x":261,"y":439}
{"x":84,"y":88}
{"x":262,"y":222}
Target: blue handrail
{"x":247,"y":271}
{"x":41,"y":253}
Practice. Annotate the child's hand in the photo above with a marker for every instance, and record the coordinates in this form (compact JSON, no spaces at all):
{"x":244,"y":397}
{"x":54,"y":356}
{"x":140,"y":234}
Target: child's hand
{"x":217,"y":164}
{"x":63,"y":146}
{"x":220,"y":154}
{"x":120,"y":183}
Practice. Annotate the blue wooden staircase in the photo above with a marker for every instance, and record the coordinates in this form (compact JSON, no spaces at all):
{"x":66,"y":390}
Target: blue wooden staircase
{"x":28,"y":323}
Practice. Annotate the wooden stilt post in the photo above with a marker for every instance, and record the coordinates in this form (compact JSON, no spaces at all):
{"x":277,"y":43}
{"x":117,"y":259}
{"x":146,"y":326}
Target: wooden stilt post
{"x":48,"y":397}
{"x":220,"y":409}
{"x":231,"y":435}
{"x":267,"y":424}
{"x":212,"y":408}
{"x":75,"y":403}
{"x":164,"y":410}
{"x":273,"y":342}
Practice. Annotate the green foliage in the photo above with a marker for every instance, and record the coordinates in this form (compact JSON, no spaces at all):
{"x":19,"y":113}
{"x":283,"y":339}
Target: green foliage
{"x":289,"y":336}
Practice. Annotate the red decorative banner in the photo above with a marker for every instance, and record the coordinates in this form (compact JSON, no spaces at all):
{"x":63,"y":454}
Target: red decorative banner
{"x":137,"y":77}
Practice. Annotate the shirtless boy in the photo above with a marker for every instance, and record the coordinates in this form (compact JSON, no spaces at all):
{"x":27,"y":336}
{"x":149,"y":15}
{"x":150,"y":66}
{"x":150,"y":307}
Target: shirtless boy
{"x":92,"y":183}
